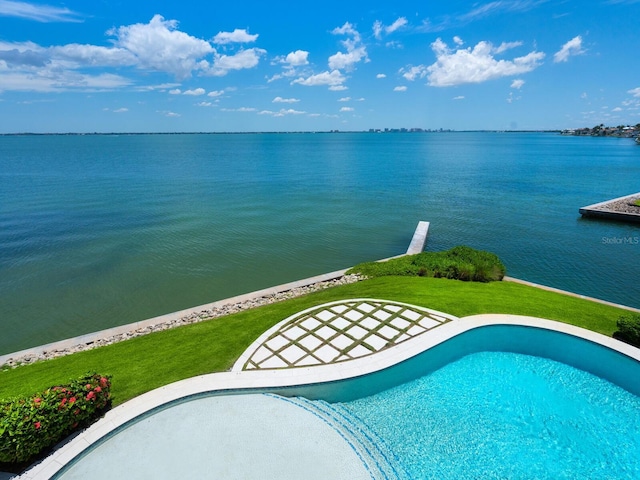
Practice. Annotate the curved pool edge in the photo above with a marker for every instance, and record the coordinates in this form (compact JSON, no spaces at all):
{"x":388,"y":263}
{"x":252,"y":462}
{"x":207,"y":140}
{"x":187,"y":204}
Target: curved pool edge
{"x":272,"y":379}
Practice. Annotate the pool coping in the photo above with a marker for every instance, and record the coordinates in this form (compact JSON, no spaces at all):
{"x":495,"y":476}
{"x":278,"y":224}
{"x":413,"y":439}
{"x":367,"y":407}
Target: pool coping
{"x":299,"y":376}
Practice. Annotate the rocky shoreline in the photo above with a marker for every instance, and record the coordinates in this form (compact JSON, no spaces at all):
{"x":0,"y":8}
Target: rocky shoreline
{"x":194,"y":317}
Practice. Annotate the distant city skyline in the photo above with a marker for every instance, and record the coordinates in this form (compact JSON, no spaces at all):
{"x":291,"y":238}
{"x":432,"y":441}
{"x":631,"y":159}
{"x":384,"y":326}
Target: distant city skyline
{"x":184,"y":66}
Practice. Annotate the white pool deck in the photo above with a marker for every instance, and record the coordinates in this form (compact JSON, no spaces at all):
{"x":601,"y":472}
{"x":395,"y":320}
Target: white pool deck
{"x":262,"y":436}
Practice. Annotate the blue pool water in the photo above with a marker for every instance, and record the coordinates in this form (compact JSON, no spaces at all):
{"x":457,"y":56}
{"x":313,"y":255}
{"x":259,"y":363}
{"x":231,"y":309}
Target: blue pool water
{"x":497,"y":415}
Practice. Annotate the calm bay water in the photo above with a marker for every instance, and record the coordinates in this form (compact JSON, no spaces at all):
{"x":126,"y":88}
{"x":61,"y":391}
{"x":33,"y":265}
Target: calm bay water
{"x":98,"y":231}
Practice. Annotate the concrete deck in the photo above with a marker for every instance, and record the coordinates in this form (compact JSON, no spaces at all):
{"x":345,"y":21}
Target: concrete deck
{"x":419,"y":239}
{"x":602,"y":210}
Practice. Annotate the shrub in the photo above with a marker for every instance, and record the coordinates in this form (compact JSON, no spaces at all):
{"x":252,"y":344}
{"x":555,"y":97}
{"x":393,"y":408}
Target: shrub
{"x":629,"y":330}
{"x":30,"y":425}
{"x":460,"y":263}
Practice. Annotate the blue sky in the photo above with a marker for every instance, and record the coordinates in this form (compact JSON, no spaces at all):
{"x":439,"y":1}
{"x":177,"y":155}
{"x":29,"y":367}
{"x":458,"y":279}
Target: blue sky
{"x":138,"y":66}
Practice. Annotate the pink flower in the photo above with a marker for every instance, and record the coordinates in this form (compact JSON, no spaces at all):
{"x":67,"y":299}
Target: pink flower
{"x":37,"y":425}
{"x":97,"y":389}
{"x":72,"y":400}
{"x":88,"y":386}
{"x":37,"y":400}
{"x":91,"y":395}
{"x":104,"y":381}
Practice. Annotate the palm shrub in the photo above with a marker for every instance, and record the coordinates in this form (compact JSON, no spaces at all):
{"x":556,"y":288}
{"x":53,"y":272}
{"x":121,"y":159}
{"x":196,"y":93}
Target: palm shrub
{"x":30,"y":425}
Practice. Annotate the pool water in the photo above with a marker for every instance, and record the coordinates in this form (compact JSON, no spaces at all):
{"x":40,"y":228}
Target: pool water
{"x":497,"y":415}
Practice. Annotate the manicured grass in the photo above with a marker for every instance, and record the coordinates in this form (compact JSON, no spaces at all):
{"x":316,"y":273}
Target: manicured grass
{"x":148,"y":362}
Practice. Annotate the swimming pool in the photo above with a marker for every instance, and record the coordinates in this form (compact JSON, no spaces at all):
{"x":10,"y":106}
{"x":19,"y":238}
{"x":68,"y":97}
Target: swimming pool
{"x":404,"y":421}
{"x":499,"y":415}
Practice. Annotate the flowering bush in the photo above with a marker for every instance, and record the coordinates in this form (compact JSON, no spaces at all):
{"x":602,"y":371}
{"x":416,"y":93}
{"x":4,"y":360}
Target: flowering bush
{"x":31,"y":424}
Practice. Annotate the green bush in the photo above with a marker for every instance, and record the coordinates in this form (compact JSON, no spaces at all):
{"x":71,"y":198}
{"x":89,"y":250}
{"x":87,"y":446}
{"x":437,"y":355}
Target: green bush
{"x":30,"y":425}
{"x":629,"y":330}
{"x":459,"y":263}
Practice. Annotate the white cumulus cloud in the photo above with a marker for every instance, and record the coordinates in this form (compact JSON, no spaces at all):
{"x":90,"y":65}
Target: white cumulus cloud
{"x":504,"y":46}
{"x":341,"y":60}
{"x":411,"y":73}
{"x":381,"y":75}
{"x":237,"y":36}
{"x":243,"y":59}
{"x":518,"y":83}
{"x":475,"y":65}
{"x":282,"y":112}
{"x":291,"y":63}
{"x":347,"y":109}
{"x":333,"y":79}
{"x":195,"y":92}
{"x":379,"y":28}
{"x":635,"y":92}
{"x":401,"y":88}
{"x":346,"y":29}
{"x":297,"y":58}
{"x":285,"y":100}
{"x":571,"y":48}
{"x":158,"y":45}
{"x":215,"y":93}
{"x":355,"y":53}
{"x":241,"y":109}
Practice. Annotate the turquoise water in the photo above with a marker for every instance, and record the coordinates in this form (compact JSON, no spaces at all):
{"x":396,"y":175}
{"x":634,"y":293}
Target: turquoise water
{"x":98,"y":231}
{"x":499,"y":415}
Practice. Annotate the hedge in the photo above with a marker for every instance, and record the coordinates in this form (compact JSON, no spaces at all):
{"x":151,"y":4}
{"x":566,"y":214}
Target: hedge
{"x":30,"y":425}
{"x":629,"y":330}
{"x":459,"y":263}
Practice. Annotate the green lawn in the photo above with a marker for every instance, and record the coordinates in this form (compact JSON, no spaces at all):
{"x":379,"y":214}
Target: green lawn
{"x":148,"y":362}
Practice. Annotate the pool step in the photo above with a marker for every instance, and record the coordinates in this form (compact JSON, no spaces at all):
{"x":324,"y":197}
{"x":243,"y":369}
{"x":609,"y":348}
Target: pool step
{"x":378,"y":458}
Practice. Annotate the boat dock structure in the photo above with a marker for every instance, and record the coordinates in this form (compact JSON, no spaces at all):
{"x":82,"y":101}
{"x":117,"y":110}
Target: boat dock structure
{"x":621,"y":209}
